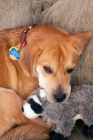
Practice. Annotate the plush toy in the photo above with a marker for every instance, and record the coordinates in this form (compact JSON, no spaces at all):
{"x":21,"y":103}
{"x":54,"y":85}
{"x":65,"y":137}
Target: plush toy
{"x":64,"y":115}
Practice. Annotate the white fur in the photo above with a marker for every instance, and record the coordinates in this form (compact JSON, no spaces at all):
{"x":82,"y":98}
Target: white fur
{"x":34,"y":97}
{"x":42,"y":93}
{"x":41,"y":78}
{"x":77,"y":117}
{"x":28,"y":112}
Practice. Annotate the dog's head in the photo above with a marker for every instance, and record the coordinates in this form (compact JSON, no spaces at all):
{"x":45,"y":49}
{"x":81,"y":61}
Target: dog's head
{"x":54,"y":56}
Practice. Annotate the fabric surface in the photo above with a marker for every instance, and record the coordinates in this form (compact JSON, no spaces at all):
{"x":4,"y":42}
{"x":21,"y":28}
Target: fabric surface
{"x":18,"y":13}
{"x":15,"y":13}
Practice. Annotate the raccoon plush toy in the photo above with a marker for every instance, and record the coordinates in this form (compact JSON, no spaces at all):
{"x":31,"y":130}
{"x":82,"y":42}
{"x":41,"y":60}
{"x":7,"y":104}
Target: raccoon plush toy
{"x":64,"y":115}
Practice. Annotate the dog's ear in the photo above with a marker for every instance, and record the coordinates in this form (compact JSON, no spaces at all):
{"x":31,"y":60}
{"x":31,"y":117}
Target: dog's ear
{"x":79,"y":41}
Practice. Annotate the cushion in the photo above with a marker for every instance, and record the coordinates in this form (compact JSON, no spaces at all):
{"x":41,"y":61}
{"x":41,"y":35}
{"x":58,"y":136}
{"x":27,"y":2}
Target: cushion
{"x":18,"y":13}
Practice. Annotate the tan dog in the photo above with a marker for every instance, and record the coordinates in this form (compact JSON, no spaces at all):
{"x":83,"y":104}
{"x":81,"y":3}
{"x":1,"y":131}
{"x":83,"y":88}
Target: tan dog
{"x":47,"y":60}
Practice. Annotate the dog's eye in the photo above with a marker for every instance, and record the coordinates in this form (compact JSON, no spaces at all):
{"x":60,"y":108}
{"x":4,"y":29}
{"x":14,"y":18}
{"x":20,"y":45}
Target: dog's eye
{"x":70,"y":71}
{"x":47,"y":70}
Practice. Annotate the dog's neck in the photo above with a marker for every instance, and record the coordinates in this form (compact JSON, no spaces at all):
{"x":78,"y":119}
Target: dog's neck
{"x":22,"y":44}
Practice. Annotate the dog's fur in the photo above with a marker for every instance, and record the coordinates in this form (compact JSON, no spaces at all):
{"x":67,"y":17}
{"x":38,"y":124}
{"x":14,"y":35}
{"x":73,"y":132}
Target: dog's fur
{"x":47,"y":60}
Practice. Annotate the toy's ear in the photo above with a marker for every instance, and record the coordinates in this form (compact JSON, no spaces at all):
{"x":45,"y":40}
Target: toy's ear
{"x":79,"y":41}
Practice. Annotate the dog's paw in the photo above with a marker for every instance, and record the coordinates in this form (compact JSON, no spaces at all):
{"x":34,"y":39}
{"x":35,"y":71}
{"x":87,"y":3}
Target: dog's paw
{"x":88,"y":131}
{"x":56,"y":136}
{"x":32,"y":108}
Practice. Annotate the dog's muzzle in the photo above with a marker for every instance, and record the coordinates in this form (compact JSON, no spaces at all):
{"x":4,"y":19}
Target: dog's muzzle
{"x":59,"y":96}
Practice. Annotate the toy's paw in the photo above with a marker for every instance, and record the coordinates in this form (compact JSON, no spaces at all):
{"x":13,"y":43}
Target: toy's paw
{"x":56,"y":136}
{"x":32,"y":108}
{"x":88,"y":131}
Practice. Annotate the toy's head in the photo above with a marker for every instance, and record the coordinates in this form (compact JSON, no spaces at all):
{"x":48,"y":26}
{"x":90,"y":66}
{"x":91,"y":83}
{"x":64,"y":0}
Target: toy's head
{"x":32,"y":108}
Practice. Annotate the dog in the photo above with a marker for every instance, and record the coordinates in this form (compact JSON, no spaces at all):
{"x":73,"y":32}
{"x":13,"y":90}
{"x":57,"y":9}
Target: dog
{"x":47,"y":60}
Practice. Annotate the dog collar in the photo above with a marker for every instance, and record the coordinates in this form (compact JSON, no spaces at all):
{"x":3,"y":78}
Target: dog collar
{"x":14,"y":52}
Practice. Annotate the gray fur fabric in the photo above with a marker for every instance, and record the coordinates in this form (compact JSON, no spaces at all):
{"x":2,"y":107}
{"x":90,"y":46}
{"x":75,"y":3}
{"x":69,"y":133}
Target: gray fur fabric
{"x":64,"y":114}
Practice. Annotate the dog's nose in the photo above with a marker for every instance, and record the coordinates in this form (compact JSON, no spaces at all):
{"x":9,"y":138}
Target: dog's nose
{"x":60,"y":98}
{"x":59,"y":95}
